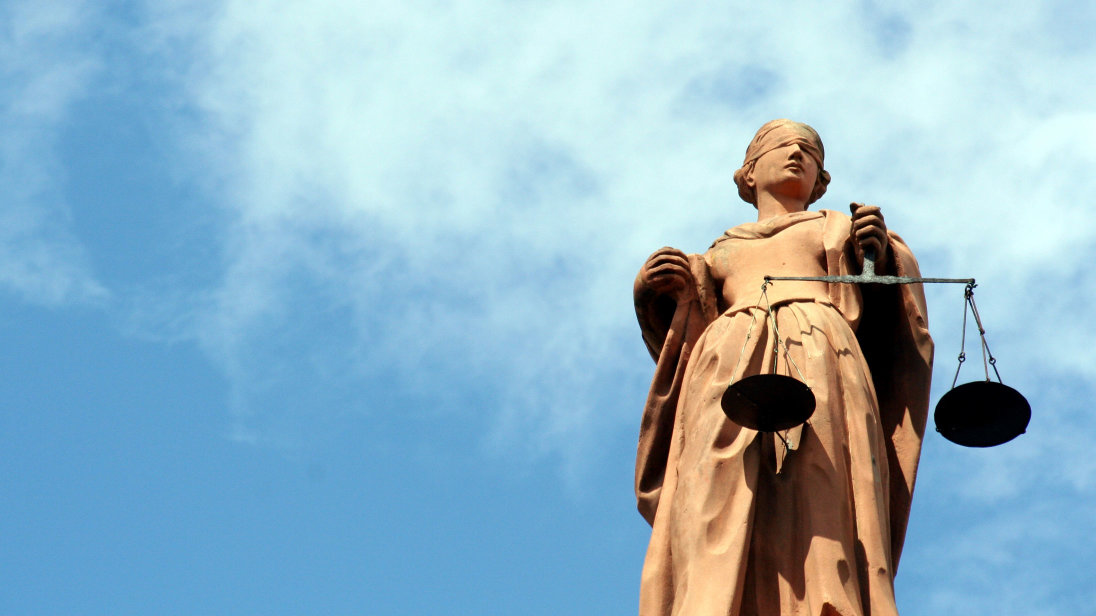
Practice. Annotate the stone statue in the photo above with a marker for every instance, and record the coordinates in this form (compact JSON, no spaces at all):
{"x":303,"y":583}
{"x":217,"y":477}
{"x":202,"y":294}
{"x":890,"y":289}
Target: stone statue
{"x":809,"y":521}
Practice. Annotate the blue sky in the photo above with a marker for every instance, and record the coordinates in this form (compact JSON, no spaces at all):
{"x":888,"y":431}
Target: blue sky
{"x":326,"y":307}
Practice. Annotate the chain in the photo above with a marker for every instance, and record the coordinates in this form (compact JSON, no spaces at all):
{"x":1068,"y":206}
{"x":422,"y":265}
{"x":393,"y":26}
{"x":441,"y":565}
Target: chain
{"x":770,"y":313}
{"x":749,"y":331}
{"x":779,"y":341}
{"x":988,"y":360}
{"x":967,"y":295}
{"x":987,"y":356}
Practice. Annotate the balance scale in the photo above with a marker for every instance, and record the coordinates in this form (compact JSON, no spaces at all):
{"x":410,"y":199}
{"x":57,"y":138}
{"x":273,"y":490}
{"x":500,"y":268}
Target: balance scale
{"x":976,"y":414}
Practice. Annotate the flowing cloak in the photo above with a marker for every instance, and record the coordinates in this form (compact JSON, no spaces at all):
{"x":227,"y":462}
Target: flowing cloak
{"x":811,"y":521}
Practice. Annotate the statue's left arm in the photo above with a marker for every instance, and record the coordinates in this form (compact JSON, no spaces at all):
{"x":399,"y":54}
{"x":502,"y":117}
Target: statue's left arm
{"x":894,"y":338}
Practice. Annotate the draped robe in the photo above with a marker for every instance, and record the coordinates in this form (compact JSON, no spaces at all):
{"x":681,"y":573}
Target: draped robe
{"x":809,"y":521}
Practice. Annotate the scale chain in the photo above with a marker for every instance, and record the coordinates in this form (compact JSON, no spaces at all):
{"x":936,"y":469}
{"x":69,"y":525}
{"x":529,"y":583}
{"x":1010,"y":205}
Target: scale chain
{"x":749,"y":331}
{"x":987,"y":355}
{"x":779,"y":340}
{"x":776,"y":353}
{"x":991,"y":361}
{"x":963,"y":339}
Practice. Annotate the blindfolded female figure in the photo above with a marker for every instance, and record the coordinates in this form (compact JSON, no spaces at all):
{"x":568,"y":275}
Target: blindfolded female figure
{"x":810,"y":520}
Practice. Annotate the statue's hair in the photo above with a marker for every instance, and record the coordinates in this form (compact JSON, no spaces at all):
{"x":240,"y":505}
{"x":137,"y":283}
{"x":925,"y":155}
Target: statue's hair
{"x":764,"y":142}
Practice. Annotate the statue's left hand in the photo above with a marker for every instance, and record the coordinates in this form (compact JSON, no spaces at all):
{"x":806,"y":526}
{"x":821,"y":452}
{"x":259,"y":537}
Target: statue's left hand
{"x":870,"y":231}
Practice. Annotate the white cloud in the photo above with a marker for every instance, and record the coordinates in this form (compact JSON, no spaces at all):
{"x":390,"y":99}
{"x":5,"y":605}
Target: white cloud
{"x":443,"y":205}
{"x":47,"y":65}
{"x":471,"y":188}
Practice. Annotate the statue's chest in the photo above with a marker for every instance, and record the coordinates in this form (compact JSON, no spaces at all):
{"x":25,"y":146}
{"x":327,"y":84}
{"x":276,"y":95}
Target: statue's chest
{"x":741,"y":264}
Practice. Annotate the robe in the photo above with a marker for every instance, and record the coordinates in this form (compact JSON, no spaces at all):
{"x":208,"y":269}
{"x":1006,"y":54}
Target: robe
{"x":809,"y":521}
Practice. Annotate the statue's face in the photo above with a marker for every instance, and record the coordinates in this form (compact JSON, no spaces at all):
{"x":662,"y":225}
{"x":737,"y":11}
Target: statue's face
{"x":788,"y":171}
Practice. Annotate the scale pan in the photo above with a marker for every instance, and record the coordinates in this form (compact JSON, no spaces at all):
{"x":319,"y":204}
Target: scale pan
{"x":982,"y":414}
{"x":768,"y":402}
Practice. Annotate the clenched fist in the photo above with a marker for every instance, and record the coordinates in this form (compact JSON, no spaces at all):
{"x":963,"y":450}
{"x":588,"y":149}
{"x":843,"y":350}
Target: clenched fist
{"x":667,"y":272}
{"x":869,"y":232}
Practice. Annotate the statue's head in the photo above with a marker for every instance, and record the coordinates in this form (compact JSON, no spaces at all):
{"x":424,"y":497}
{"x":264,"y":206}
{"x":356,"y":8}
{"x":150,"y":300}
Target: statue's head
{"x":778,"y":134}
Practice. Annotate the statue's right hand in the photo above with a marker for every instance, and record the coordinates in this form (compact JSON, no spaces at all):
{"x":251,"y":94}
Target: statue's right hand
{"x":667,"y":272}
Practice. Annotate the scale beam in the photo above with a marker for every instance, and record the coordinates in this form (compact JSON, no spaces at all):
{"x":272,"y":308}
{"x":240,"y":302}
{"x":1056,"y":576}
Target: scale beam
{"x":977,"y":414}
{"x":869,"y":276}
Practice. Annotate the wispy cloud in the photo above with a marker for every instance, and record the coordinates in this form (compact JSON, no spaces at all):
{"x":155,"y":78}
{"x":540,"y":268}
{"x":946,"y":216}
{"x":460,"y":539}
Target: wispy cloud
{"x":47,"y":63}
{"x":472,"y":188}
{"x":435,"y":210}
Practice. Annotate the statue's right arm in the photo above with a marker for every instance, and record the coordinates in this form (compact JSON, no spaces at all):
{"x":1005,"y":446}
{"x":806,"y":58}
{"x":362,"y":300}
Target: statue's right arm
{"x":675,"y":302}
{"x":664,"y":282}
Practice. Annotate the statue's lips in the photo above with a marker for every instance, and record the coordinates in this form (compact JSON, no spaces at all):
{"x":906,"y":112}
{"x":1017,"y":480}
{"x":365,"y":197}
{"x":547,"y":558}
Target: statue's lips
{"x":794,"y":167}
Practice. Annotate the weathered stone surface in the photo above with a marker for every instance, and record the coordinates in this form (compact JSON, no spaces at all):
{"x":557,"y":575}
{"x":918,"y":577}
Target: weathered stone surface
{"x":811,"y":520}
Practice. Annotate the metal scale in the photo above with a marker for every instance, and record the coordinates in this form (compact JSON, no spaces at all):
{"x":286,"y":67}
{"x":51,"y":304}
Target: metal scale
{"x":976,"y":414}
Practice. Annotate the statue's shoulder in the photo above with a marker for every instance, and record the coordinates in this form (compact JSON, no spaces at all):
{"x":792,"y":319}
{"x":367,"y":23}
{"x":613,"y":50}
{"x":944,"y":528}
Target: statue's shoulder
{"x":834,"y":216}
{"x":719,"y":240}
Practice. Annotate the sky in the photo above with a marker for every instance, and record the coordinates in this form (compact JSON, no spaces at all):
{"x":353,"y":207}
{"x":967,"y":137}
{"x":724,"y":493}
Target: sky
{"x":325,"y":307}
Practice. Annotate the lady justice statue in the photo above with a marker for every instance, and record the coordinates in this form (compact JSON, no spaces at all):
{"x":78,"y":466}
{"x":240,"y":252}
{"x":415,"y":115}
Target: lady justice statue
{"x":808,"y":521}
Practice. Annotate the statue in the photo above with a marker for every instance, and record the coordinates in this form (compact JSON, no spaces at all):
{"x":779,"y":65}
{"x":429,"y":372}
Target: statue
{"x":807,"y":521}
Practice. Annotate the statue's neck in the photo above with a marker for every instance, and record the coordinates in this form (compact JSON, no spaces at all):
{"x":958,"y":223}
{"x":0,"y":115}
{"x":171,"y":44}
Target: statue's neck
{"x":771,"y":206}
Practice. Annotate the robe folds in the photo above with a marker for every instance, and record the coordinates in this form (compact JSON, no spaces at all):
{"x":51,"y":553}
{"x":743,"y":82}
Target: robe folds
{"x":809,"y":521}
